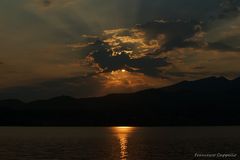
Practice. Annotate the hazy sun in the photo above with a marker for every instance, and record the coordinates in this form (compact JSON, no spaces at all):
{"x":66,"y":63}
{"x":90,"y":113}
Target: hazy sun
{"x":123,"y":70}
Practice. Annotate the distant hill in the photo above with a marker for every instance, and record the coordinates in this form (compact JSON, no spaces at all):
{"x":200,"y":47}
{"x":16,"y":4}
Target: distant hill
{"x":210,"y":101}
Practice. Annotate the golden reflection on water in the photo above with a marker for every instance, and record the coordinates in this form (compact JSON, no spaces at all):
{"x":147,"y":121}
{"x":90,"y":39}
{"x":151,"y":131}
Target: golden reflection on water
{"x":123,"y":134}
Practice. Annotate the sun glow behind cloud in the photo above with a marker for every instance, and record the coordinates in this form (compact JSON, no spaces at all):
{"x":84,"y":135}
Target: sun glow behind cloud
{"x":123,"y":81}
{"x":131,"y":42}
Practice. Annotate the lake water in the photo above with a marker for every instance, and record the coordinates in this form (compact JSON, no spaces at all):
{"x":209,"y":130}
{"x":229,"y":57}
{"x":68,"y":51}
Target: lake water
{"x":118,"y":143}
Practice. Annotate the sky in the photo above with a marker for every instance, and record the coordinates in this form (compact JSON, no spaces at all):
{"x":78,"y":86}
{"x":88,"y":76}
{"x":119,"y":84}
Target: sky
{"x":88,"y":48}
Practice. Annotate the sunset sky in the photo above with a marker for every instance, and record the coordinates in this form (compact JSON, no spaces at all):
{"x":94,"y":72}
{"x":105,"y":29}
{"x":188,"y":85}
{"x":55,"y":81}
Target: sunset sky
{"x":87,"y":48}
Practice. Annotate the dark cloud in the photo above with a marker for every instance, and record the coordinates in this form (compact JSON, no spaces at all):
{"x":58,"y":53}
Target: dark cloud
{"x":102,"y":56}
{"x":176,"y":32}
{"x":133,"y":49}
{"x":185,"y":34}
{"x":137,"y":49}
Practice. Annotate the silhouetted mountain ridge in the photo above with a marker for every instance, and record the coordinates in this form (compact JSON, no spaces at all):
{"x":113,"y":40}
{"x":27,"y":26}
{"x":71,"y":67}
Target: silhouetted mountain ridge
{"x":209,"y":101}
{"x":204,"y":85}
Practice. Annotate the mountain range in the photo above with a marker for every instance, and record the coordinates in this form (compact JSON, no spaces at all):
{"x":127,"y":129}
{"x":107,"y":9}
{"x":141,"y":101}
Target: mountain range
{"x":209,"y":101}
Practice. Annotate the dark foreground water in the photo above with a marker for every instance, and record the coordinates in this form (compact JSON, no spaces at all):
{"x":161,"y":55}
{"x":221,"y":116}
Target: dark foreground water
{"x":119,"y":143}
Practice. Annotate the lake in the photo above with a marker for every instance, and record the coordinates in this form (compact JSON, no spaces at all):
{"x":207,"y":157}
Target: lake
{"x":119,"y":143}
